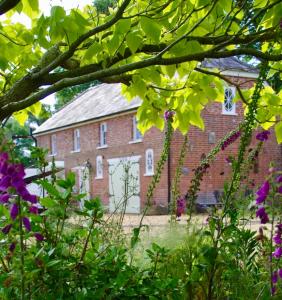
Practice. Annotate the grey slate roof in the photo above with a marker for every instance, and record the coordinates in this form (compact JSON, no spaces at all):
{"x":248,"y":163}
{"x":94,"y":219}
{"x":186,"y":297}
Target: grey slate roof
{"x":106,"y":99}
{"x":229,"y":64}
{"x":97,"y":102}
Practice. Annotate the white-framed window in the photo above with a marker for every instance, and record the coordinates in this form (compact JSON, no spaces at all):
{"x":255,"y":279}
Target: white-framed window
{"x":76,"y":140}
{"x":53,"y":144}
{"x":136,"y":134}
{"x":229,"y":106}
{"x":99,"y":167}
{"x":149,"y":156}
{"x":103,"y":134}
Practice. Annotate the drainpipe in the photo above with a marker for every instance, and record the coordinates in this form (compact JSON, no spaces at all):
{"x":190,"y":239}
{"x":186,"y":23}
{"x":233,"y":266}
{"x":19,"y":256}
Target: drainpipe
{"x":169,"y":177}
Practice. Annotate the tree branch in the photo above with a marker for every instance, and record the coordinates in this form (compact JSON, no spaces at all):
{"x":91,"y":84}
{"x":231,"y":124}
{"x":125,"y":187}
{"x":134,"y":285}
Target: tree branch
{"x":6,"y":5}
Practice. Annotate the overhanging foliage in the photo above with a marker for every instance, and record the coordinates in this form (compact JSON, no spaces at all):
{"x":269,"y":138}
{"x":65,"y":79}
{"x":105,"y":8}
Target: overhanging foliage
{"x":142,"y":44}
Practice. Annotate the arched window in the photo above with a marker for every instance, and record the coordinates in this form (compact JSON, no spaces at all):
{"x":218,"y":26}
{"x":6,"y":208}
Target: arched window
{"x":149,"y":162}
{"x":228,"y":106}
{"x":99,"y":167}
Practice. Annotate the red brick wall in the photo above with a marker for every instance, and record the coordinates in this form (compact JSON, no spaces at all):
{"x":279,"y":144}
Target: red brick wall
{"x":119,"y":134}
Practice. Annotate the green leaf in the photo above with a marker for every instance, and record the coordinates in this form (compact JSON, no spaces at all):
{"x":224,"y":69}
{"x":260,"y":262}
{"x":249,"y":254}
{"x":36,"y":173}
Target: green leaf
{"x":278,"y":131}
{"x":50,"y":189}
{"x":48,"y":202}
{"x":21,"y":116}
{"x":92,"y":51}
{"x":151,"y":28}
{"x":123,"y":26}
{"x":133,"y":41}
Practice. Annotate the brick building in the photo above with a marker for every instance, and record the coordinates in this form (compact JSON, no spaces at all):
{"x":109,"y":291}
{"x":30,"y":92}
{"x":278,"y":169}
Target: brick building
{"x":96,"y":137}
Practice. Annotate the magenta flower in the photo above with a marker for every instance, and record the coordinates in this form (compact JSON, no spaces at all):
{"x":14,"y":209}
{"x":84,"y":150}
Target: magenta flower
{"x":168,"y":114}
{"x":263,"y":136}
{"x":33,"y":210}
{"x":7,"y":229}
{"x":26,"y":223}
{"x":4,"y":198}
{"x":277,"y":253}
{"x":279,"y":190}
{"x":280,"y":273}
{"x":14,"y":211}
{"x":39,"y":236}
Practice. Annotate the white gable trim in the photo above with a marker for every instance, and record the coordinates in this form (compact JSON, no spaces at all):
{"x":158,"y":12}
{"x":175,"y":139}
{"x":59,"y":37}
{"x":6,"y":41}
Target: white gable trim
{"x":239,"y":74}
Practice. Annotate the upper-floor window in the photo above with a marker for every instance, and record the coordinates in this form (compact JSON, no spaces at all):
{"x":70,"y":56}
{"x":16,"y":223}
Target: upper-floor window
{"x":103,"y":134}
{"x":76,"y":140}
{"x":228,"y":106}
{"x":53,"y":144}
{"x":99,"y":167}
{"x":149,"y":156}
{"x":136,"y":134}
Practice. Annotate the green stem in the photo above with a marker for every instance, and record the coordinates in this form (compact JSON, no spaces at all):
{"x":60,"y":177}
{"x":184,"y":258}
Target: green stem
{"x":21,"y":250}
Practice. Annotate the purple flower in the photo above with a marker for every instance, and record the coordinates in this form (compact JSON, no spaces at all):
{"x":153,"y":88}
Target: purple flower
{"x":4,"y":157}
{"x":277,"y":239}
{"x":39,"y":236}
{"x":261,"y":213}
{"x":33,"y":210}
{"x":17,"y":182}
{"x":263,"y":136}
{"x":4,"y":198}
{"x":3,"y":168}
{"x":26,"y":223}
{"x":14,"y":211}
{"x":181,"y":204}
{"x":274,"y":277}
{"x":279,"y":228}
{"x":280,"y":273}
{"x":12,"y":247}
{"x":279,"y":178}
{"x":7,"y":229}
{"x":280,"y":189}
{"x":273,"y":291}
{"x":230,"y":140}
{"x":24,"y":193}
{"x":262,"y":193}
{"x":5,"y":182}
{"x":277,"y":253}
{"x":168,"y":114}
